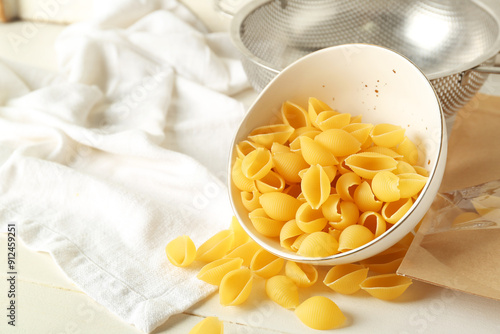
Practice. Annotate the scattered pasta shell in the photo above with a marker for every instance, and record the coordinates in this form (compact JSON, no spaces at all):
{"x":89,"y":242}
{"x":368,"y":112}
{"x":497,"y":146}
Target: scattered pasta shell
{"x":315,"y":153}
{"x":387,"y":135}
{"x":385,"y":186}
{"x":298,"y":241}
{"x":288,"y":165}
{"x":250,"y":200}
{"x":374,"y":222}
{"x":266,"y":264}
{"x":345,"y":278}
{"x":209,"y":325}
{"x":386,"y":287}
{"x":330,"y":119}
{"x":346,"y":185}
{"x":214,"y":271}
{"x":394,"y":211}
{"x":246,"y":146}
{"x":339,"y":142}
{"x":385,"y":263}
{"x":360,"y":131}
{"x":321,"y":313}
{"x":289,"y":232}
{"x":264,"y":224}
{"x":283,"y":291}
{"x":240,"y":236}
{"x":271,"y":182}
{"x":404,"y":167}
{"x":279,"y":148}
{"x":294,"y":115}
{"x":318,"y":244}
{"x":408,"y":150}
{"x":304,"y":275}
{"x":331,"y":208}
{"x":215,"y":247}
{"x":257,"y":164}
{"x":268,"y":134}
{"x":349,"y":215}
{"x":241,"y":182}
{"x":235,"y":287}
{"x":354,"y":236}
{"x":315,"y":107}
{"x":368,"y":164}
{"x":365,"y":199}
{"x":181,"y":251}
{"x":310,"y":220}
{"x":410,"y":184}
{"x":315,"y":186}
{"x":245,"y":252}
{"x":279,"y":206}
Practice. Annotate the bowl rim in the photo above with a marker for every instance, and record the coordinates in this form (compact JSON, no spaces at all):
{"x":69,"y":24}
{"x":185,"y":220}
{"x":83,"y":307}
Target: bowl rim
{"x":339,"y":256}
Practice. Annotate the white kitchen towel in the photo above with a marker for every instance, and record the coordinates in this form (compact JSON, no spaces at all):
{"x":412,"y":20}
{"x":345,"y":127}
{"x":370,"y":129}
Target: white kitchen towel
{"x":125,"y":149}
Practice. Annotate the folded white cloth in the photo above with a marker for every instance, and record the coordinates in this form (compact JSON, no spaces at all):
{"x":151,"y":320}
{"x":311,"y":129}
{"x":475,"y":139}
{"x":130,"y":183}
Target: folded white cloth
{"x":105,"y":163}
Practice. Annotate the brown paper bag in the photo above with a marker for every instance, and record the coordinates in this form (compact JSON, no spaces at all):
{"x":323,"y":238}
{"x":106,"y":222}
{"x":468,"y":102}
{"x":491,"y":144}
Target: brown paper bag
{"x":465,"y":259}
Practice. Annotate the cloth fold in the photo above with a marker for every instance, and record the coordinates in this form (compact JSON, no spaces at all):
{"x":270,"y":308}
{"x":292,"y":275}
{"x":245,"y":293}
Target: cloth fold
{"x":125,"y":149}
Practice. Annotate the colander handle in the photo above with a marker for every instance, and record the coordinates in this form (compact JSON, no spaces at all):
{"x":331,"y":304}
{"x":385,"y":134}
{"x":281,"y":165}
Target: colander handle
{"x":495,"y":69}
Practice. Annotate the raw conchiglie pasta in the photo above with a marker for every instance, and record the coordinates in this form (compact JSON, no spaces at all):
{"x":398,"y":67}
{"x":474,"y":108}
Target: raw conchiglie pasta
{"x":298,"y":241}
{"x":404,"y":167}
{"x":235,"y":287}
{"x":342,"y":168}
{"x":266,"y":264}
{"x":279,"y":148}
{"x":349,"y":215}
{"x":345,"y":278}
{"x":269,"y":134}
{"x":331,"y":208}
{"x":256,"y":164}
{"x":386,"y":287}
{"x":289,"y":232}
{"x":215,"y":247}
{"x":356,"y":119}
{"x":409,"y":150}
{"x":209,"y":325}
{"x":421,"y":170}
{"x":245,"y":252}
{"x":354,"y":236}
{"x":331,"y":171}
{"x":374,"y":222}
{"x":240,"y":236}
{"x":279,"y":206}
{"x":283,"y":291}
{"x":334,"y":232}
{"x":321,"y":313}
{"x":293,"y":190}
{"x":294,"y":115}
{"x":384,"y":150}
{"x":241,"y":182}
{"x":315,"y":107}
{"x":310,"y":220}
{"x":264,"y":224}
{"x":302,"y":274}
{"x":308,"y":131}
{"x":332,"y":120}
{"x":387,"y":135}
{"x":385,"y":186}
{"x":315,"y":153}
{"x":214,"y":271}
{"x":360,"y":131}
{"x":288,"y":165}
{"x":339,"y":142}
{"x":315,"y":186}
{"x":346,"y":186}
{"x":385,"y":263}
{"x":410,"y":184}
{"x":245,"y":147}
{"x":368,"y":164}
{"x":365,"y":199}
{"x":181,"y":251}
{"x":318,"y":244}
{"x":271,"y":182}
{"x":250,"y":200}
{"x":394,"y":211}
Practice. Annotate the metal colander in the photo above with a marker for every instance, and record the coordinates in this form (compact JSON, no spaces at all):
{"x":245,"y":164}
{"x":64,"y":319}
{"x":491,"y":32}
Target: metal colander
{"x":447,"y":39}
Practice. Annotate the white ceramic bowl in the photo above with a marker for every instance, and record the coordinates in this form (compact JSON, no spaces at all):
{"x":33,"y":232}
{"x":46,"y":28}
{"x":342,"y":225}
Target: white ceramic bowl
{"x":360,"y":79}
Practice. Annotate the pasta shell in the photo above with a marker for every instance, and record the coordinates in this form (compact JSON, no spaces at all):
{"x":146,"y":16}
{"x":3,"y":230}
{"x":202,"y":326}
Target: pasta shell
{"x":345,"y":278}
{"x":264,"y":224}
{"x":365,"y":199}
{"x":315,"y":186}
{"x":386,"y":287}
{"x":339,"y":142}
{"x":214,"y":271}
{"x":367,"y":164}
{"x":332,"y":120}
{"x":349,"y":214}
{"x":421,"y":170}
{"x":293,"y":190}
{"x":302,"y":274}
{"x":321,"y":313}
{"x":360,"y":131}
{"x":387,"y":135}
{"x":288,"y":165}
{"x":308,"y":131}
{"x":271,"y":182}
{"x":250,"y":200}
{"x":283,"y":291}
{"x":334,"y":232}
{"x":310,"y":220}
{"x":404,"y":167}
{"x":289,"y":233}
{"x":315,"y":153}
{"x":385,"y":186}
{"x":298,"y":241}
{"x":279,"y":206}
{"x":315,"y":107}
{"x":266,"y":264}
{"x":385,"y":263}
{"x":384,"y":150}
{"x":346,"y":185}
{"x":374,"y":222}
{"x":235,"y":287}
{"x":356,"y":119}
{"x":279,"y":148}
{"x":408,"y":150}
{"x":240,"y":236}
{"x":239,"y":179}
{"x":294,"y":115}
{"x":410,"y":184}
{"x":245,"y":252}
{"x":209,"y":325}
{"x":394,"y":211}
{"x":342,"y":168}
{"x":269,"y":134}
{"x":215,"y":247}
{"x":246,"y":146}
{"x":318,"y":244}
{"x":257,"y":164}
{"x":181,"y":251}
{"x":354,"y":236}
{"x":331,"y":171}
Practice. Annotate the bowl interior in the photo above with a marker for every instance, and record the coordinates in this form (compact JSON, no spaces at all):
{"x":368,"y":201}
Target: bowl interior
{"x":360,"y":79}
